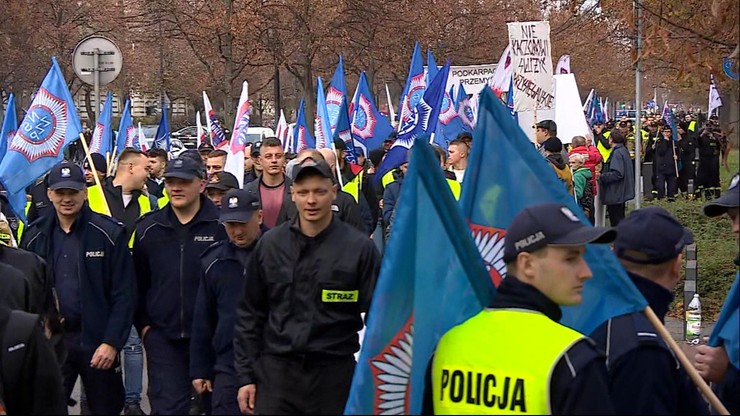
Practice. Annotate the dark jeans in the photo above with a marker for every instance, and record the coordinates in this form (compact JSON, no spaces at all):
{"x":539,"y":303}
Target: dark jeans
{"x":168,"y":364}
{"x":666,"y":182}
{"x":303,"y":385}
{"x":104,"y":388}
{"x":616,"y":213}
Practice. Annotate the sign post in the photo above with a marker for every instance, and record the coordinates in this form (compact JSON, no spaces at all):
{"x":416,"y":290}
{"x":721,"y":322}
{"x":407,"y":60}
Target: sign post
{"x":97,"y":61}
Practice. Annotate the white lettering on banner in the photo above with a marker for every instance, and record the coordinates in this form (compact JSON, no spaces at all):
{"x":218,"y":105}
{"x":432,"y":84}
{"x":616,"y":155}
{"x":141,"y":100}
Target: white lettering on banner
{"x":532,"y":64}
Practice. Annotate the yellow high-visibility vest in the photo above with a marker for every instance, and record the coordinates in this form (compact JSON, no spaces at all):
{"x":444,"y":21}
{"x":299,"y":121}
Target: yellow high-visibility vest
{"x":96,"y":200}
{"x":499,"y":362}
{"x":354,"y":186}
{"x":692,"y":125}
{"x":455,"y":187}
{"x":605,"y":152}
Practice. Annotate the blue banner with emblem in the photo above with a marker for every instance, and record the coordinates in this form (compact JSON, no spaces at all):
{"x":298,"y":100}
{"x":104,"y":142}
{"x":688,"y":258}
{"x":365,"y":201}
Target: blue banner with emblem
{"x":51,"y":123}
{"x":10,"y":126}
{"x":431,"y":279}
{"x":726,"y":330}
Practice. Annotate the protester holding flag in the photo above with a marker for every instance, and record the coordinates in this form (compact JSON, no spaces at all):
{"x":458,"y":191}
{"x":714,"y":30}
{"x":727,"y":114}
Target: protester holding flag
{"x":542,"y":366}
{"x":99,"y":169}
{"x":167,"y":247}
{"x":94,"y":280}
{"x":665,"y":165}
{"x":645,"y":376}
{"x":223,"y":268}
{"x":286,"y":363}
{"x":719,"y":361}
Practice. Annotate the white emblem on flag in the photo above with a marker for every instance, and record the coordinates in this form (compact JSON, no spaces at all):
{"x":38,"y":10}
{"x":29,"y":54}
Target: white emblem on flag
{"x":393,"y":367}
{"x":42,"y":132}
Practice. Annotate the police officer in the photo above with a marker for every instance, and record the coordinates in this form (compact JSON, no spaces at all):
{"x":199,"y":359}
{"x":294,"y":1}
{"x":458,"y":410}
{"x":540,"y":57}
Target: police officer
{"x":297,"y":323}
{"x":665,"y":165}
{"x":720,"y":364}
{"x":221,"y":286}
{"x":167,"y":248}
{"x":686,"y":147}
{"x":219,"y":183}
{"x":94,"y":280}
{"x":514,"y":355}
{"x":708,"y":170}
{"x":30,"y":381}
{"x":645,"y":376}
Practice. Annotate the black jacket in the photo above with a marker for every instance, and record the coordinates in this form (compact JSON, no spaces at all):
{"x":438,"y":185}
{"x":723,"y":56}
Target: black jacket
{"x":709,"y":144}
{"x":155,"y":188}
{"x":644,"y":375}
{"x":578,"y":384}
{"x":107,"y":283}
{"x":687,"y":148}
{"x":167,"y":259}
{"x":15,"y":290}
{"x":287,"y":209}
{"x":40,"y":203}
{"x":36,"y":273}
{"x":128,"y":215}
{"x":664,"y":162}
{"x":287,"y":309}
{"x":223,"y":272}
{"x":40,"y":390}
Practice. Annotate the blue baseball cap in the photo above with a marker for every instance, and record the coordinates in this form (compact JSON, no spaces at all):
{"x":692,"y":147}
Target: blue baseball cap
{"x":66,"y":175}
{"x":730,"y":199}
{"x":651,"y":236}
{"x":238,"y":205}
{"x":550,"y":224}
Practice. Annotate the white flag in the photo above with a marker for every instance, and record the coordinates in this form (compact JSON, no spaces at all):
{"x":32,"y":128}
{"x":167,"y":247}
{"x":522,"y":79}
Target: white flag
{"x":715,"y":101}
{"x":563,"y":66}
{"x":281,"y":130}
{"x":199,"y":129}
{"x":238,"y":142}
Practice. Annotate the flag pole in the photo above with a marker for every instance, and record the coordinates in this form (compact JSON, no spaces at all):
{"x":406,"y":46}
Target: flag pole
{"x":390,"y":104}
{"x":88,"y":155}
{"x":400,"y":113}
{"x":690,"y":370}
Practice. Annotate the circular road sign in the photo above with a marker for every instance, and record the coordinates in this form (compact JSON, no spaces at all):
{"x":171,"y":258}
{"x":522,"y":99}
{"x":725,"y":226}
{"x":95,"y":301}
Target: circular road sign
{"x":110,"y":60}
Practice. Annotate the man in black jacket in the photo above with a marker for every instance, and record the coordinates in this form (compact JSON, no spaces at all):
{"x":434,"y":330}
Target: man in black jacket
{"x":93,"y":278}
{"x":686,"y":148}
{"x":644,"y":375}
{"x":617,"y":178}
{"x":221,"y":286}
{"x":167,"y":247}
{"x":665,"y":165}
{"x":297,"y":323}
{"x":35,"y":387}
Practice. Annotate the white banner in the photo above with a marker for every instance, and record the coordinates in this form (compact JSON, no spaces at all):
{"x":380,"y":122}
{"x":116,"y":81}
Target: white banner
{"x":530,"y":52}
{"x":473,"y":77}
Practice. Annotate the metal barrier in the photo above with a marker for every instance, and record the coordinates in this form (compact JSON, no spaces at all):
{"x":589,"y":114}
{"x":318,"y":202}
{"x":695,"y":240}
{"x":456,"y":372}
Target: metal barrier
{"x":689,"y":284}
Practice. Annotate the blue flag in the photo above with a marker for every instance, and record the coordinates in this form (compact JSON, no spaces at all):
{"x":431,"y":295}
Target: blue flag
{"x":505,"y":174}
{"x":127,"y":134}
{"x":431,"y":279}
{"x":369,"y":127}
{"x":464,"y":110}
{"x":423,"y":122}
{"x":162,"y":138}
{"x":343,"y":131}
{"x":337,"y":90}
{"x":302,"y":137}
{"x":726,"y":329}
{"x":510,"y":101}
{"x":51,"y":123}
{"x":102,"y":137}
{"x":322,"y":128}
{"x":598,"y":114}
{"x":415,"y":86}
{"x":10,"y":125}
{"x":450,"y":124}
{"x":432,"y":67}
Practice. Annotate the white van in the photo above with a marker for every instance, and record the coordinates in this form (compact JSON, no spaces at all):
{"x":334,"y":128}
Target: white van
{"x":257,"y":134}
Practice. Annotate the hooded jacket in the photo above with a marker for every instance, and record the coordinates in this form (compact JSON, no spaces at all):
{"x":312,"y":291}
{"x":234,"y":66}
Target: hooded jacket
{"x":561,"y":169}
